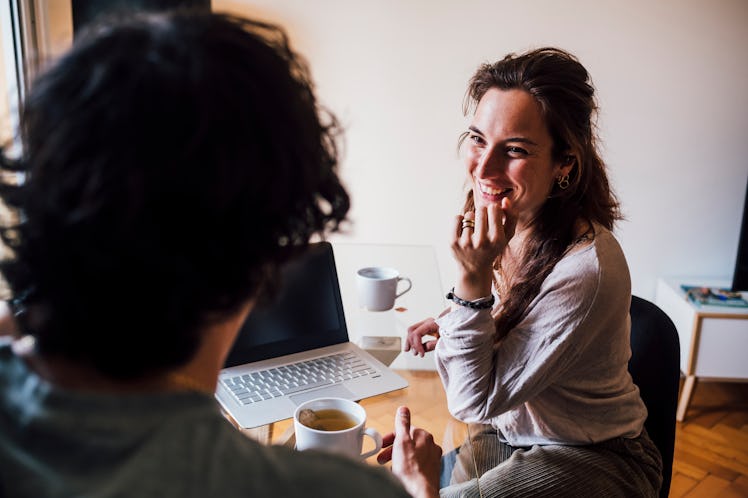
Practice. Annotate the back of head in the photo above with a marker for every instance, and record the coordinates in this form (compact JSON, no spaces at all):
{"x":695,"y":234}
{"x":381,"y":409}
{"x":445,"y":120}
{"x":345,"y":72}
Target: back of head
{"x":173,"y":162}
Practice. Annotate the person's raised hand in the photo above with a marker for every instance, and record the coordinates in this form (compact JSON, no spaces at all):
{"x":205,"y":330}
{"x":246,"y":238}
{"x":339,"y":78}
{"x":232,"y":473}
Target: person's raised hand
{"x":480,"y":236}
{"x":416,"y":332}
{"x":416,"y":458}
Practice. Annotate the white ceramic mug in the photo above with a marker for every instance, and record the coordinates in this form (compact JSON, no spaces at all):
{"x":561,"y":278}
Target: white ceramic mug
{"x":348,"y":441}
{"x":377,"y":287}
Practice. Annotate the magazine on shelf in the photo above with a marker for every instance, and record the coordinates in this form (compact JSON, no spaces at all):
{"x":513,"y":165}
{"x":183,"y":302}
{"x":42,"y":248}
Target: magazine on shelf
{"x":714,"y":296}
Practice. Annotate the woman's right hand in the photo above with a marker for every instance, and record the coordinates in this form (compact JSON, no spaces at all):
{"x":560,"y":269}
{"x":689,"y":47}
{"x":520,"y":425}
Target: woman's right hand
{"x":476,"y":247}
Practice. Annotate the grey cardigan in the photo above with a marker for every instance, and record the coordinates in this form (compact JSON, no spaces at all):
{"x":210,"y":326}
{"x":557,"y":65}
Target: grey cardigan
{"x":561,"y":375}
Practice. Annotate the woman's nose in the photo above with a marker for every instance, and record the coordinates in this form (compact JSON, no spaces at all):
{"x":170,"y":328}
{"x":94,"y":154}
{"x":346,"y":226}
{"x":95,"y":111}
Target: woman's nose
{"x":490,"y":162}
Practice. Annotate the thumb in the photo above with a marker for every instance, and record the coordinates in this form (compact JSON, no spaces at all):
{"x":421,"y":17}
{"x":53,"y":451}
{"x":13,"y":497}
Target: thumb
{"x":402,"y":423}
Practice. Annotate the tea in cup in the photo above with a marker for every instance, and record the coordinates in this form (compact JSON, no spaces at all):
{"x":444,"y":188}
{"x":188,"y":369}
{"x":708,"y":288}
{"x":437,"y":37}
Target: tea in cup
{"x":336,"y":425}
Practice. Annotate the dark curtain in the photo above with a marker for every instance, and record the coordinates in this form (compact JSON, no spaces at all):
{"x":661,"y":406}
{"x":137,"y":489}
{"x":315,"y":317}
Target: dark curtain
{"x":84,"y":11}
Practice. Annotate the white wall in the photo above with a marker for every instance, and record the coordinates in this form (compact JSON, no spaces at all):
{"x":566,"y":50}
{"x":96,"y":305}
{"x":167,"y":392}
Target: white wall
{"x":671,"y":79}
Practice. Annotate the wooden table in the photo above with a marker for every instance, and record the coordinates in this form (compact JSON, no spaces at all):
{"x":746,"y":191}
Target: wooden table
{"x":424,"y":396}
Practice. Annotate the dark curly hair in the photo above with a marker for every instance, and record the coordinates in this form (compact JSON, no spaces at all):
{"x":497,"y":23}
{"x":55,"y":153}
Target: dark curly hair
{"x":562,"y":87}
{"x":171,"y":163}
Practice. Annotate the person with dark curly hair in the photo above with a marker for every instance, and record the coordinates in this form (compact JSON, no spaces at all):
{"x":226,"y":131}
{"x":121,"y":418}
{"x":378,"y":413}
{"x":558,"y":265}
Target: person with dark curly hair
{"x":170,"y":164}
{"x":535,"y":347}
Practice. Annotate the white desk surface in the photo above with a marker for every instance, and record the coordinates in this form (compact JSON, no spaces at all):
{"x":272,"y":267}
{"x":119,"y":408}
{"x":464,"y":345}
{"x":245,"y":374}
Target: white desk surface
{"x":425,"y":299}
{"x":674,"y":283}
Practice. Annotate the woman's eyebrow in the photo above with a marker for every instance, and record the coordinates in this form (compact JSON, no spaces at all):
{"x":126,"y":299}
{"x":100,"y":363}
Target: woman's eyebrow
{"x":523,"y":140}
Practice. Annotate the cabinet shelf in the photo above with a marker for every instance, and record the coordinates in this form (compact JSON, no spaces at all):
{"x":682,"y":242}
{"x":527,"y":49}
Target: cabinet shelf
{"x":713,"y":339}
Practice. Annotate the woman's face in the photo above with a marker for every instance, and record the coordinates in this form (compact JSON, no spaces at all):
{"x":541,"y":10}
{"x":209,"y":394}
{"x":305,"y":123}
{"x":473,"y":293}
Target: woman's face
{"x":509,"y":154}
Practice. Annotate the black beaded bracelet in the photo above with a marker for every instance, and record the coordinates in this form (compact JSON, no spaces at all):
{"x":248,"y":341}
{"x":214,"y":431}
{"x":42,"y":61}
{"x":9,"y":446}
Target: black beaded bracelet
{"x":483,"y":303}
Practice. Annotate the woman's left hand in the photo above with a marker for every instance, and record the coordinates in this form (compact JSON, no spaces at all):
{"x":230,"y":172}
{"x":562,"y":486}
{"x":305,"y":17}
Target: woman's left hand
{"x":414,"y":340}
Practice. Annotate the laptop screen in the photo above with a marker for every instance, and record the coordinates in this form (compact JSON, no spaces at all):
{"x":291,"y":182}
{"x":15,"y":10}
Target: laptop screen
{"x":307,"y":312}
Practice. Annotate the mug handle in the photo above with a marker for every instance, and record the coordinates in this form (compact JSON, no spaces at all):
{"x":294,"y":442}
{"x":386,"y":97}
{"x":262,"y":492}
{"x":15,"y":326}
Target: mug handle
{"x":372,"y":433}
{"x":403,"y":279}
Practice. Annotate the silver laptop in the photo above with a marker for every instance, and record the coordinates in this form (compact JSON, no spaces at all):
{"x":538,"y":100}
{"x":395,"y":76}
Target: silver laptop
{"x":296,"y":348}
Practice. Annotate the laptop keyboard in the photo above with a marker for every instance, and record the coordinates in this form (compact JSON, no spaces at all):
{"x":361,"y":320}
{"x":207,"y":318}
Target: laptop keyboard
{"x":302,"y":376}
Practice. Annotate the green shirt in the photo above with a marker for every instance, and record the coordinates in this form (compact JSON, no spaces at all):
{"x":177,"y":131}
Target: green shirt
{"x":61,"y":443}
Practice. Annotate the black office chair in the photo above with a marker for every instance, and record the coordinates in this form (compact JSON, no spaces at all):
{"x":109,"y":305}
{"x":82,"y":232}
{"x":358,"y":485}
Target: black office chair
{"x":655,"y":368}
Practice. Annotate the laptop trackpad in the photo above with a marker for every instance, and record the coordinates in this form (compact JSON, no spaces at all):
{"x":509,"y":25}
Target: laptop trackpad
{"x":325,"y":392}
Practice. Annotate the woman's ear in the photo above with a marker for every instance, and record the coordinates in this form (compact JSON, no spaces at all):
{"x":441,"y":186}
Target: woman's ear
{"x":567,"y":163}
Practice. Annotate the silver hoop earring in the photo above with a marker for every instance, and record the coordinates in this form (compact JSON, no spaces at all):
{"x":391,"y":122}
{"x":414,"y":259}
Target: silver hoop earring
{"x":563,"y":182}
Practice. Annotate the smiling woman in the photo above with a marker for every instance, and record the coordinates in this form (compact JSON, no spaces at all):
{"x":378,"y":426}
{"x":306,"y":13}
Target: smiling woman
{"x":536,"y":345}
{"x":539,"y":110}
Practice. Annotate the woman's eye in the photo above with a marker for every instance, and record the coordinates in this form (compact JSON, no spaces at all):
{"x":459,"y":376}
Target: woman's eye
{"x":516,"y":151}
{"x":476,"y":139}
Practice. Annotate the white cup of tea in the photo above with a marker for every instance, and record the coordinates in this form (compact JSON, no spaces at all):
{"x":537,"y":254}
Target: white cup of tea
{"x":335,"y":425}
{"x":378,"y":287}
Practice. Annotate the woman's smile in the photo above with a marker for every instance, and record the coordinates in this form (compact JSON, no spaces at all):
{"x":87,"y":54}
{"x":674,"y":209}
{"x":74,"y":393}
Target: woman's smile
{"x":509,"y":153}
{"x":493,"y":194}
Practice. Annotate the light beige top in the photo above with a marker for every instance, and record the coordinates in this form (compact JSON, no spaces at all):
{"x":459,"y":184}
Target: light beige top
{"x":561,"y":376}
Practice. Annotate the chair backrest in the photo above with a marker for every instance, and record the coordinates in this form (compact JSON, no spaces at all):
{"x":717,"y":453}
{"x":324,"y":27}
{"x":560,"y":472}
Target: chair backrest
{"x":655,"y":368}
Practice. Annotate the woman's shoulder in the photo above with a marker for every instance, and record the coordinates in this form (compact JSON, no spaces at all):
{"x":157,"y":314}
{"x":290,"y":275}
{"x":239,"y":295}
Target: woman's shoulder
{"x":612,"y":264}
{"x":594,"y":264}
{"x":605,"y":239}
{"x":597,"y":246}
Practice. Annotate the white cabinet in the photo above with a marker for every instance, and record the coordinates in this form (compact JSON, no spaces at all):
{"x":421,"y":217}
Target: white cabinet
{"x":713,"y":339}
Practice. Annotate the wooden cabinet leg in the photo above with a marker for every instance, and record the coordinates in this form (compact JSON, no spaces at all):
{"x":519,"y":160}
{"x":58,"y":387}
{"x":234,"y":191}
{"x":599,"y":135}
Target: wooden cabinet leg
{"x":685,"y":397}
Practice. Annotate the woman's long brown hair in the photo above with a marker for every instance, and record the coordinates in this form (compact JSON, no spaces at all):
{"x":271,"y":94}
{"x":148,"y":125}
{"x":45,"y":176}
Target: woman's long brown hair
{"x":560,"y":84}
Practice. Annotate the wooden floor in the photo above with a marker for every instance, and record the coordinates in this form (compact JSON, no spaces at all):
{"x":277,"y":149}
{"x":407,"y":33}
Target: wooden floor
{"x":711,"y":444}
{"x":711,"y":449}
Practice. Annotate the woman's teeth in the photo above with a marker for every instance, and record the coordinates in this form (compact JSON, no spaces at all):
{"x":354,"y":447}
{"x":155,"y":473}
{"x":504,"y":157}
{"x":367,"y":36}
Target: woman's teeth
{"x":494,"y":191}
